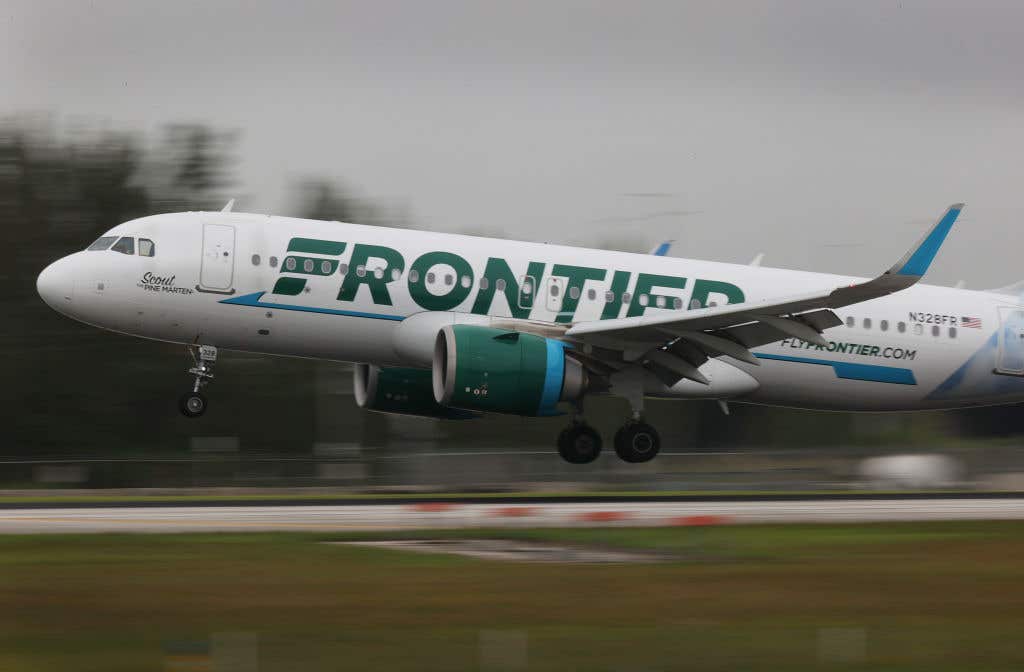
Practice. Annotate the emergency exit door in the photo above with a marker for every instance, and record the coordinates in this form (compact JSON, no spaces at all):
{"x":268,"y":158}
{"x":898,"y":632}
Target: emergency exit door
{"x":218,"y":265}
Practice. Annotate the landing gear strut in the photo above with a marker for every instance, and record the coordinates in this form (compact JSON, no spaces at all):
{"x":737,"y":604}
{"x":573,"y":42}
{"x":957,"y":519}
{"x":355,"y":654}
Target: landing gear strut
{"x":579,"y":443}
{"x":193,"y":404}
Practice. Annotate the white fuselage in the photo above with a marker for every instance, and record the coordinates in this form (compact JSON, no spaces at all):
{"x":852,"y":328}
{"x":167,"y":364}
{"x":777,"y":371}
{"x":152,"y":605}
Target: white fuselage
{"x":338,"y":291}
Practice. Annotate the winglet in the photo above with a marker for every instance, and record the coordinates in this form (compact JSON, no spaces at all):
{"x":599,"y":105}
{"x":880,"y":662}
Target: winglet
{"x":916,"y":261}
{"x":662,"y":248}
{"x":227,"y":208}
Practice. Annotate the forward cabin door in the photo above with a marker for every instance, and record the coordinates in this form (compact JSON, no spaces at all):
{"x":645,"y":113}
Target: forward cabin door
{"x":218,"y":264}
{"x":1010,"y":359}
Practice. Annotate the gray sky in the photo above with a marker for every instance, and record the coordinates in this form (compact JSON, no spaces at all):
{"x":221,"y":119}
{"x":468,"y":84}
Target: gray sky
{"x":827,"y":135}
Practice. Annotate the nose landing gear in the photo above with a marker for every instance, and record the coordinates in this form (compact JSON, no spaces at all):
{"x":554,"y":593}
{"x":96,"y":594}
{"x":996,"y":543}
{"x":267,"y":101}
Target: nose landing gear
{"x":193,"y":404}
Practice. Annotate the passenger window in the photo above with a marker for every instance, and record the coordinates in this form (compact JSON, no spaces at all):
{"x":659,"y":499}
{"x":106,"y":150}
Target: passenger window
{"x":103,"y":243}
{"x":677,"y":303}
{"x":884,"y":324}
{"x":554,"y":289}
{"x":255,"y":257}
{"x":342,"y":268}
{"x":361,"y":271}
{"x":609,"y":297}
{"x":125,"y":246}
{"x":289,"y":264}
{"x":918,"y":330}
{"x":850,"y":322}
{"x":952,"y":332}
{"x":414,"y":276}
{"x":378,"y":273}
{"x":430,"y":278}
{"x":591,"y":294}
{"x":626,"y":296}
{"x":935,"y":330}
{"x":660,"y":302}
{"x":148,"y":249}
{"x":307,"y":265}
{"x":484,"y":284}
{"x":867,"y":322}
{"x":449,"y":280}
{"x":901,"y":327}
{"x":465,"y":281}
{"x":325,"y":267}
{"x":695,"y":304}
{"x":574,"y":293}
{"x":644,"y":300}
{"x":273,"y":262}
{"x":499,"y":284}
{"x":395,"y":274}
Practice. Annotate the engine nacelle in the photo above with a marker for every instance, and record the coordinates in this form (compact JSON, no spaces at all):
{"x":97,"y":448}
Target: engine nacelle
{"x":402,"y":391}
{"x":486,"y":369}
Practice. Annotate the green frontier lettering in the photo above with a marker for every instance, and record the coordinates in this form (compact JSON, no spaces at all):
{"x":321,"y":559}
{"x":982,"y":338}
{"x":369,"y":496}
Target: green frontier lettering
{"x":576,"y":277}
{"x":620,"y":280}
{"x":376,"y":277}
{"x":702,"y":289}
{"x":301,"y":265}
{"x":457,"y":291}
{"x":519,"y":304}
{"x":645,"y":282}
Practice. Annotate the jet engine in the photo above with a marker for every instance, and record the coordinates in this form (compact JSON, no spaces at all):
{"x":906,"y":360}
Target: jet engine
{"x":402,"y":391}
{"x":485,"y":369}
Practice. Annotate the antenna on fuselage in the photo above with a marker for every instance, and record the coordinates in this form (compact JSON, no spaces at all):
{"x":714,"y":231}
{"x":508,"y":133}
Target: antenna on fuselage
{"x":227,"y":208}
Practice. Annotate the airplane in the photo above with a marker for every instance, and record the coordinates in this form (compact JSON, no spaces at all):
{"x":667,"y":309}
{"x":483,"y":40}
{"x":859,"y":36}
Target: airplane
{"x":453,"y":326}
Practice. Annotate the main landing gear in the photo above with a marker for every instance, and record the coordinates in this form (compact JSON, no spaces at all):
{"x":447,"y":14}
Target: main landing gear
{"x":635,"y":442}
{"x":193,"y":404}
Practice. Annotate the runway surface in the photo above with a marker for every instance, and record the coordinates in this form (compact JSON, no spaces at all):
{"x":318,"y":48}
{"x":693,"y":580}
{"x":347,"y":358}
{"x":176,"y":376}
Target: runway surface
{"x":438,"y":515}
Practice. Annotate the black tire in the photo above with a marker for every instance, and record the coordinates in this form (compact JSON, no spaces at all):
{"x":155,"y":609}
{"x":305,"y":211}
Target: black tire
{"x":637,"y":442}
{"x":579,"y":444}
{"x":192,"y":404}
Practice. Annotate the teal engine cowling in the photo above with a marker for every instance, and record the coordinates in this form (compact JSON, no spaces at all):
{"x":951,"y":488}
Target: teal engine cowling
{"x":486,"y":369}
{"x":402,"y":391}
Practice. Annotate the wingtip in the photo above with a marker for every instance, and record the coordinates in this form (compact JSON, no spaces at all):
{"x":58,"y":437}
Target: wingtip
{"x":917,"y":261}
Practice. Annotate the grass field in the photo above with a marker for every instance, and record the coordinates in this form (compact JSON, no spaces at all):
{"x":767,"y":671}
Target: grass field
{"x":937,"y":596}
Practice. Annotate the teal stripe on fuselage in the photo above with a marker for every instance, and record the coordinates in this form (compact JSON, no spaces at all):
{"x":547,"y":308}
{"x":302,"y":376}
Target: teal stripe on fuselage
{"x":850,"y":371}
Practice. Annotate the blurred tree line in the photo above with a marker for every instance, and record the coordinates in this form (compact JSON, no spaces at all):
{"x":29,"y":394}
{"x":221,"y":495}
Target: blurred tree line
{"x":75,"y":390}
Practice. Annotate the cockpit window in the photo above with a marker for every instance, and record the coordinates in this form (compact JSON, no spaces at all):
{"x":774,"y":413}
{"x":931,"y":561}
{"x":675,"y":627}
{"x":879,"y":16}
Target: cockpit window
{"x":146,"y":248}
{"x":125,"y":246}
{"x":103,"y":243}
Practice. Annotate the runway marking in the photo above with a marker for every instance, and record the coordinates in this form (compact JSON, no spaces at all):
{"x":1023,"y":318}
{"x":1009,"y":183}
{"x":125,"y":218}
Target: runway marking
{"x":423,"y":516}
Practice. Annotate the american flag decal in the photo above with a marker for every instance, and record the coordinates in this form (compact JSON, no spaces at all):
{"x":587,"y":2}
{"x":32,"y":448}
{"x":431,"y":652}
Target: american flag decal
{"x":970,"y":322}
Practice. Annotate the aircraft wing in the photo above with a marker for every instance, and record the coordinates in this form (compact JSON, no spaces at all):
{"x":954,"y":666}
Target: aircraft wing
{"x":662,"y":248}
{"x":674,"y":345}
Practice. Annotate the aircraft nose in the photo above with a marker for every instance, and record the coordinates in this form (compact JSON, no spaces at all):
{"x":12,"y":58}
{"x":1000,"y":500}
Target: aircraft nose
{"x":56,"y":284}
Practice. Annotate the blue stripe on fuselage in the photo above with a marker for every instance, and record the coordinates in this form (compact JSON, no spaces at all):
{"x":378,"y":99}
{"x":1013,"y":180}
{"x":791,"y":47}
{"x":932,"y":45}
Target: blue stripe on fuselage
{"x":254,"y":300}
{"x":850,"y":371}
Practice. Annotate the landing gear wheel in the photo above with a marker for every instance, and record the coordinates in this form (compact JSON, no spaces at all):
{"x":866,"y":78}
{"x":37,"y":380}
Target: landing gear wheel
{"x":192,"y":404}
{"x":579,"y":444}
{"x":637,"y":442}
